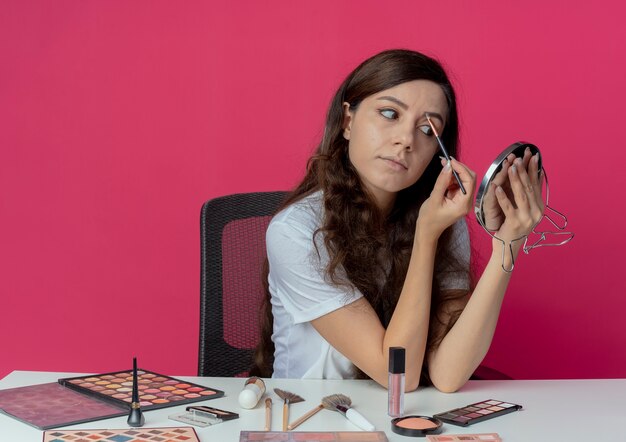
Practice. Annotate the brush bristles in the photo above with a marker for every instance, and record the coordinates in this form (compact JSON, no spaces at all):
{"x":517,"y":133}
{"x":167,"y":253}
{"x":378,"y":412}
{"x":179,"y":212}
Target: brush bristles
{"x":287,"y":396}
{"x":331,"y":402}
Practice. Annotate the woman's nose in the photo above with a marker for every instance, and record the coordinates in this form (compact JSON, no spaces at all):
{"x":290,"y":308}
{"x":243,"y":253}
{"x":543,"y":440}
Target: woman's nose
{"x":405,"y":137}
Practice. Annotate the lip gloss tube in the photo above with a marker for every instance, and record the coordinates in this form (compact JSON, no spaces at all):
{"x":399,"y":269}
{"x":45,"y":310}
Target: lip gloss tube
{"x":395,"y":385}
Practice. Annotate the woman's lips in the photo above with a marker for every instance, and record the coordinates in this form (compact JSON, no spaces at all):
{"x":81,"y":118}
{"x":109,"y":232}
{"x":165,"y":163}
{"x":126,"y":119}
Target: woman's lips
{"x":395,"y":163}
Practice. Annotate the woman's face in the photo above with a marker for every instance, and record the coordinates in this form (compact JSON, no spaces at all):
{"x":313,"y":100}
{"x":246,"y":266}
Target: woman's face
{"x":390,"y":143}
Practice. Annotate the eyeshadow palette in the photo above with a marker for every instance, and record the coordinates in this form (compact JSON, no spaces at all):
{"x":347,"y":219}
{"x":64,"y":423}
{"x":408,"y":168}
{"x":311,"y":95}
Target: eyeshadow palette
{"x":51,"y":405}
{"x":155,"y":390}
{"x":171,"y":434}
{"x":483,"y":437}
{"x":478,"y":412}
{"x":313,"y":436}
{"x":89,"y":398}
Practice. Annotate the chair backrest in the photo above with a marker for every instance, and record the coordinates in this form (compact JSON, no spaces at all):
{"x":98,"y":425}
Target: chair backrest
{"x":232,"y":245}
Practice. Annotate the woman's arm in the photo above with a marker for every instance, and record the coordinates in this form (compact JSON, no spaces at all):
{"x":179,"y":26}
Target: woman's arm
{"x":356,"y":331}
{"x":467,"y":343}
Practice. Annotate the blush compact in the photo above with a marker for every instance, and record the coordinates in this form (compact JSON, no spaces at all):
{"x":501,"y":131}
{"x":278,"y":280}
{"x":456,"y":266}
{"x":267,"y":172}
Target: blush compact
{"x":416,"y":426}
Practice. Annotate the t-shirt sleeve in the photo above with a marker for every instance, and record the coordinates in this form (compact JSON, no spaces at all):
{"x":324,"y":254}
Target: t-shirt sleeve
{"x":453,"y":277}
{"x":297,"y":276}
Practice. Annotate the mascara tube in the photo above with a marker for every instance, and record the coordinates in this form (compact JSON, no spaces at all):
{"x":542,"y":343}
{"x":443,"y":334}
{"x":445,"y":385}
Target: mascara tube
{"x":395,"y":385}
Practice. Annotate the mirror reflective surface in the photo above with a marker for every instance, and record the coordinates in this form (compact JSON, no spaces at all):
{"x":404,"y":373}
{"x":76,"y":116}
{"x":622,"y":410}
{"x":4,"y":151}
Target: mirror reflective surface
{"x":549,"y":231}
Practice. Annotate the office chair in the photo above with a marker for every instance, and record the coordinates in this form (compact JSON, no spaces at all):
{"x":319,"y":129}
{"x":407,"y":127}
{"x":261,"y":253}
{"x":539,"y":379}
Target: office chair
{"x":232,"y":245}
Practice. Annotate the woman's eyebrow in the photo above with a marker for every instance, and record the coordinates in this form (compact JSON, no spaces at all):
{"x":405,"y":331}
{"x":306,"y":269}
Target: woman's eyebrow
{"x":434,"y":115}
{"x":395,"y":100}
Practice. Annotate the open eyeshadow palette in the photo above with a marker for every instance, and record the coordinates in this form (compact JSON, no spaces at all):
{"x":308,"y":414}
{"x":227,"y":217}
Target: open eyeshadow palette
{"x":313,"y":436}
{"x":88,"y":398}
{"x":478,"y":412}
{"x":168,"y":434}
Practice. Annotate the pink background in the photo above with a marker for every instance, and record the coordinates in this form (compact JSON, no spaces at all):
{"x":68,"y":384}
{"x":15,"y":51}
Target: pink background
{"x":119,"y":119}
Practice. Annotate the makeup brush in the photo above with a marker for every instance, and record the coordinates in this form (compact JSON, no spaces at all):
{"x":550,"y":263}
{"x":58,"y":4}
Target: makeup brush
{"x":304,"y":417}
{"x":445,"y":152}
{"x":135,"y":417}
{"x":343,"y":404}
{"x":288,"y":398}
{"x":268,"y":413}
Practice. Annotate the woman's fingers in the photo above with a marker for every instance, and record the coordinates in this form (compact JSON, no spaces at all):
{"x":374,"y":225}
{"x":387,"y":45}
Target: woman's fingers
{"x":467,"y":176}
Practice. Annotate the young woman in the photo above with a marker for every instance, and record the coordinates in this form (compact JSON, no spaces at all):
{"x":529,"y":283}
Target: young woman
{"x":371,"y":250}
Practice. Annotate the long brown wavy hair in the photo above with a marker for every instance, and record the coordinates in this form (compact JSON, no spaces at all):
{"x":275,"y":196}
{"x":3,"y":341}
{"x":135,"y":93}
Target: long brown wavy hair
{"x":356,"y":234}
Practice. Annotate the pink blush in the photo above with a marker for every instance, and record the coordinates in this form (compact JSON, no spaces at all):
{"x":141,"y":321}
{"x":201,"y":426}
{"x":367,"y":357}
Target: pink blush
{"x":416,"y":423}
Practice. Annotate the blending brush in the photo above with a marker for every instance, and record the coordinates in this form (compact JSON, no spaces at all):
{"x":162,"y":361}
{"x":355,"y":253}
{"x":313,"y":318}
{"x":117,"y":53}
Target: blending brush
{"x":343,"y":404}
{"x":288,"y":398}
{"x":445,"y":152}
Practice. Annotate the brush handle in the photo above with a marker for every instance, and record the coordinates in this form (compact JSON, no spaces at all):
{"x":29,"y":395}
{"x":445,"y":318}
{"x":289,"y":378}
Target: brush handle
{"x":304,"y":417}
{"x":359,"y":420}
{"x":285,"y":415}
{"x":268,"y":414}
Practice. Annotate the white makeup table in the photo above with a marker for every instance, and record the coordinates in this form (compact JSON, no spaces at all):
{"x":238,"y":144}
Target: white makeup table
{"x":554,"y":410}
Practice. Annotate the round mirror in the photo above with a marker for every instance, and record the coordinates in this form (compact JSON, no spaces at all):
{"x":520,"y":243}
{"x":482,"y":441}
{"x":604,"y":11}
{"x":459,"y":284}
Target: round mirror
{"x":487,"y":210}
{"x":490,"y":216}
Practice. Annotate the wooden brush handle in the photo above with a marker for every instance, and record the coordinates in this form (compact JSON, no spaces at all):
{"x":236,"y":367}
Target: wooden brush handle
{"x":285,"y":415}
{"x":304,"y":417}
{"x":268,"y":414}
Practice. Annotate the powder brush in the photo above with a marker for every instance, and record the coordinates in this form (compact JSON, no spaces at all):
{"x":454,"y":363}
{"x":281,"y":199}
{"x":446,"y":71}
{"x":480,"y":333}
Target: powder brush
{"x":288,"y":398}
{"x":343,"y":404}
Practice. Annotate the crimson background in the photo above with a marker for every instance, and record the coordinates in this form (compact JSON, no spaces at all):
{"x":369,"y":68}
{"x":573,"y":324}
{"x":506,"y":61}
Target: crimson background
{"x":119,"y":119}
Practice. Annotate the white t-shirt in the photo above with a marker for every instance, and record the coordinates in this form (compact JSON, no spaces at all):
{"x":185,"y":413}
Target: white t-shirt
{"x":300,"y":292}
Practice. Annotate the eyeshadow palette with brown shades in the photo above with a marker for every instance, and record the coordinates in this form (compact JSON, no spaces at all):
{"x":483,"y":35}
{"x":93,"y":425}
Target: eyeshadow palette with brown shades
{"x":155,"y":390}
{"x":478,"y":412}
{"x":168,"y":434}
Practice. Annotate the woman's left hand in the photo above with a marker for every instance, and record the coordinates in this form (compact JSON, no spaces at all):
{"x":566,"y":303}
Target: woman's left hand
{"x":525,"y":210}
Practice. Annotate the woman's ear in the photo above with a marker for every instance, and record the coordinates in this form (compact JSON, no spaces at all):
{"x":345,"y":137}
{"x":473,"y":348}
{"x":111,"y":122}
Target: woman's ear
{"x":347,"y":120}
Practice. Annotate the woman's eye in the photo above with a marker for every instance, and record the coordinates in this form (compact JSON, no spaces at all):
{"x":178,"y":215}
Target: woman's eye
{"x":427,"y":130}
{"x":390,"y":114}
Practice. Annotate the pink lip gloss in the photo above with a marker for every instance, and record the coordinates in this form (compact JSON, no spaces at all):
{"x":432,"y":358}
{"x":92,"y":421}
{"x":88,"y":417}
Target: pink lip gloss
{"x":395,"y":385}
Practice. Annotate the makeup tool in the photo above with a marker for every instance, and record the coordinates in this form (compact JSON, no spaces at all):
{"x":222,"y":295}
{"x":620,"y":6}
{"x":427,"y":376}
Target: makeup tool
{"x":288,"y":398}
{"x":252,"y":391}
{"x":343,"y":404}
{"x":268,"y":414}
{"x":482,"y":437}
{"x":304,"y":417}
{"x":135,"y":417}
{"x":478,"y":412}
{"x":416,"y":426}
{"x":395,"y":384}
{"x":203,"y":416}
{"x":187,"y":434}
{"x":313,"y":436}
{"x":445,"y":152}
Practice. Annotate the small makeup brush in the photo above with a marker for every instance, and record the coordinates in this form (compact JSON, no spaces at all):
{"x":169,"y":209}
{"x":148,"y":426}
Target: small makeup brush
{"x":268,"y":413}
{"x":304,"y":417}
{"x":343,"y":404}
{"x":135,"y":417}
{"x":445,"y":152}
{"x":288,"y":398}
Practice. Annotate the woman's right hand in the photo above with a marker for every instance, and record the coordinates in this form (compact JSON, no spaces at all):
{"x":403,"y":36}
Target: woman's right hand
{"x":446,"y":203}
